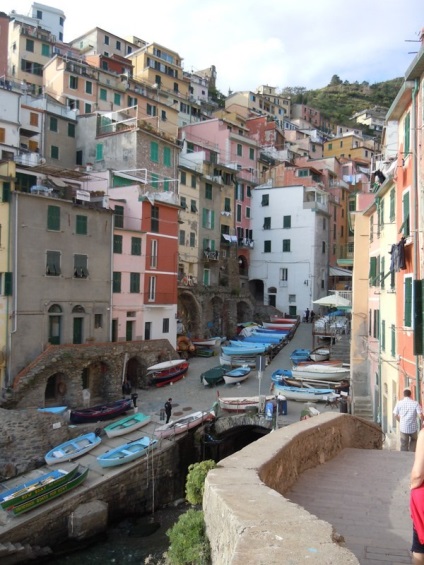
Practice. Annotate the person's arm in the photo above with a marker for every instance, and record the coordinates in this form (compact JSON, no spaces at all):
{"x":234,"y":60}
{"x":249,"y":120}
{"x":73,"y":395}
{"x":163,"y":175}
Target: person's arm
{"x":417,"y":473}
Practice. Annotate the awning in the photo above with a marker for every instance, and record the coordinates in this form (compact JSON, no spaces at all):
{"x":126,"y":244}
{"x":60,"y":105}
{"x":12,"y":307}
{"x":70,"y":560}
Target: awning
{"x":339,"y":272}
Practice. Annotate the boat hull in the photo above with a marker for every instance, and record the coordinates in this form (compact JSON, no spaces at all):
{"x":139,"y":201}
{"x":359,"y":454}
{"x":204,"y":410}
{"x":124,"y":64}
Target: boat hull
{"x":75,"y":481}
{"x":36,"y":487}
{"x":183,"y":424}
{"x":127,"y":425}
{"x":214,"y":376}
{"x":241,"y":404}
{"x":72,"y":449}
{"x":127,"y":452}
{"x":53,"y":410}
{"x":305,"y":394}
{"x":321,"y":372}
{"x":237,"y":375}
{"x":100,"y":412}
{"x":320,"y":354}
{"x":171,"y":375}
{"x":242,"y":350}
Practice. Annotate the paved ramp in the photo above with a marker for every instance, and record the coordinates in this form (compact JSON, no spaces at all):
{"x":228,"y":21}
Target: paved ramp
{"x":364,"y":494}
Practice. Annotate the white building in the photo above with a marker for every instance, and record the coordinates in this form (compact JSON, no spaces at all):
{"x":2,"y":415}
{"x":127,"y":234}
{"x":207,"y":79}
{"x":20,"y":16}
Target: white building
{"x":289,"y":262}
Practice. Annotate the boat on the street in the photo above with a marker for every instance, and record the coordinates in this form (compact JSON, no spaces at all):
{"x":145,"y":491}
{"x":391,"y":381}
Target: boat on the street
{"x":35,"y":487}
{"x":238,"y":360}
{"x":300,"y":394}
{"x":274,"y":326}
{"x":242,"y":403}
{"x":320,"y":354}
{"x":206,"y":342}
{"x":127,"y":452}
{"x":277,"y":320}
{"x":237,"y":375}
{"x":53,"y":409}
{"x":168,"y":372}
{"x":300,"y":355}
{"x":101,"y":412}
{"x":321,"y":371}
{"x":247,"y":349}
{"x":72,"y":448}
{"x":183,"y":424}
{"x":128,"y":424}
{"x":215,"y":375}
{"x":77,"y":479}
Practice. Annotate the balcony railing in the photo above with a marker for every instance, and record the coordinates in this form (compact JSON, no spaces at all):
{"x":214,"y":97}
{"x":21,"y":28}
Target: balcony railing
{"x":211,"y":255}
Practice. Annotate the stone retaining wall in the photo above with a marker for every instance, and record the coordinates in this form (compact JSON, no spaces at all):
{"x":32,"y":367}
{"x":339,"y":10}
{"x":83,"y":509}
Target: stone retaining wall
{"x":249,"y":521}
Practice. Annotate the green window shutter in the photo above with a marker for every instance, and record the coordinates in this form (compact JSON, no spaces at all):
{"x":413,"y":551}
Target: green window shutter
{"x":212,"y":219}
{"x":382,"y":275}
{"x":116,"y":286}
{"x":134,"y":282}
{"x":117,"y":243}
{"x":119,"y":216}
{"x":212,"y":245}
{"x":407,"y":133}
{"x":204,"y":218}
{"x":53,"y":218}
{"x":135,"y":246}
{"x":155,"y":181}
{"x":383,"y":335}
{"x":418,"y":318}
{"x":408,"y":303}
{"x":81,"y":225}
{"x":167,"y":156}
{"x":393,"y":341}
{"x":373,"y":270}
{"x":154,"y":151}
{"x":6,"y":191}
{"x":8,"y":284}
{"x":99,"y":152}
{"x":404,"y":228}
{"x":392,"y":205}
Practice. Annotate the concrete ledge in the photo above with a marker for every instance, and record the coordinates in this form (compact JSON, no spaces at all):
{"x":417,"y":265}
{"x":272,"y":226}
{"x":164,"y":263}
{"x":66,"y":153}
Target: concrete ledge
{"x":249,"y":521}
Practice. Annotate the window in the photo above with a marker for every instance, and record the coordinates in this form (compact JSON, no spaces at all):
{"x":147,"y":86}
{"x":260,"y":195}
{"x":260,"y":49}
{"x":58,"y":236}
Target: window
{"x":192,"y":239}
{"x":247,"y":212}
{"x":238,"y":212}
{"x":208,"y":219}
{"x":6,"y":192}
{"x":165,"y":325}
{"x":154,"y":152}
{"x":373,"y":271}
{"x":136,"y":246}
{"x":286,"y":222}
{"x":267,"y":246}
{"x":153,"y":254}
{"x":53,"y":218}
{"x":45,"y":50}
{"x":29,"y":45}
{"x":193,"y":181}
{"x":116,"y":99}
{"x":284,"y":274}
{"x":71,"y":130}
{"x":303,"y":173}
{"x":134,"y":283}
{"x":183,"y":177}
{"x":208,"y":191}
{"x":54,"y":152}
{"x":376,"y":324}
{"x":193,"y":206}
{"x":155,"y":219}
{"x":324,"y":223}
{"x":53,"y":263}
{"x":251,"y":154}
{"x":167,"y":156}
{"x":99,"y":152}
{"x":286,"y":245}
{"x":33,"y":119}
{"x":227,"y":204}
{"x":404,"y":228}
{"x":117,"y":243}
{"x":81,"y":224}
{"x":383,"y":335}
{"x":240,"y":191}
{"x":98,"y":321}
{"x":265,"y":200}
{"x":248,"y":191}
{"x":106,"y":40}
{"x":152,"y":289}
{"x":80,"y":266}
{"x":119,"y":216}
{"x":116,"y":282}
{"x":181,"y":239}
{"x":392,"y":213}
{"x":183,"y":202}
{"x":267,"y":223}
{"x":150,"y":110}
{"x":206,"y":277}
{"x":408,"y":302}
{"x":88,"y":87}
{"x":87,"y":108}
{"x":53,"y":124}
{"x":323,"y":247}
{"x":2,"y":135}
{"x":118,"y":45}
{"x":393,"y":340}
{"x":239,"y":150}
{"x":103,"y":94}
{"x":73,"y":82}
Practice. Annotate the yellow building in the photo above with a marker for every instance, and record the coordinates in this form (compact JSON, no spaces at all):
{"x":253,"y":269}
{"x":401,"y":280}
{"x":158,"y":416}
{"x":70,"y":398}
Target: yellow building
{"x":351,"y":146}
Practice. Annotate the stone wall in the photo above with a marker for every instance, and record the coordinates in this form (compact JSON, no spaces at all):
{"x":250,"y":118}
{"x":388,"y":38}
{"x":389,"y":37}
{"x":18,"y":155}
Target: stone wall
{"x":248,"y":520}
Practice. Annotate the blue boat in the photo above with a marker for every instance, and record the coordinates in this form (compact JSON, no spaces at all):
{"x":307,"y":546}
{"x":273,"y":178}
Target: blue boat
{"x":278,"y":333}
{"x":299,"y":355}
{"x":237,"y":375}
{"x":262,"y":338}
{"x":53,"y":409}
{"x":127,"y":452}
{"x":279,"y":375}
{"x":72,"y":448}
{"x":248,"y":349}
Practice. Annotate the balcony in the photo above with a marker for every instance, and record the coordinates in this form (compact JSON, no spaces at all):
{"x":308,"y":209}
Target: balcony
{"x":211,"y":255}
{"x":28,"y":158}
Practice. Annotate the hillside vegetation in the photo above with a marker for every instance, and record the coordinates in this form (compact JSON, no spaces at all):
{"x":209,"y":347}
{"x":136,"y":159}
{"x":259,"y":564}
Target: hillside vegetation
{"x":339,"y":101}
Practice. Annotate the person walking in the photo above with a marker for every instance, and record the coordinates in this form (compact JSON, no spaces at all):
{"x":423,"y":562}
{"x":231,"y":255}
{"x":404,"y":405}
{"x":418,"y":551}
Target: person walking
{"x":407,"y":412}
{"x":168,"y":409}
{"x":307,"y":315}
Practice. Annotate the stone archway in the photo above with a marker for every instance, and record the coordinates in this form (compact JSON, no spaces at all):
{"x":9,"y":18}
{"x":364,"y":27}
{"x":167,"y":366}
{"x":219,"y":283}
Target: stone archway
{"x":189,"y":313}
{"x":56,"y":389}
{"x":256,"y":288}
{"x":94,"y":378}
{"x":213,"y":317}
{"x":244,"y":312}
{"x":135,"y":372}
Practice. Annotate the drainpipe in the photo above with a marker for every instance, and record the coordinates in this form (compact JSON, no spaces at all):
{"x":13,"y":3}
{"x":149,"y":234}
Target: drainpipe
{"x":416,"y":255}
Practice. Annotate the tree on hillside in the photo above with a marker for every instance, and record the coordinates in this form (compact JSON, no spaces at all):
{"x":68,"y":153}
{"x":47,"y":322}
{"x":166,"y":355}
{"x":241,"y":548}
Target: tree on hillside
{"x":335,"y":80}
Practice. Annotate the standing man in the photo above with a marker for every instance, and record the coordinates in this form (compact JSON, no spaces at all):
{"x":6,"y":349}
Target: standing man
{"x":307,"y":315}
{"x":168,"y":409}
{"x":407,"y":412}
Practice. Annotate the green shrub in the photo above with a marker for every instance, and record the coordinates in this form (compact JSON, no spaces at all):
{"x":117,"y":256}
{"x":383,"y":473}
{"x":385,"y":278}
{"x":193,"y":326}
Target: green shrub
{"x":189,"y":544}
{"x":195,"y":483}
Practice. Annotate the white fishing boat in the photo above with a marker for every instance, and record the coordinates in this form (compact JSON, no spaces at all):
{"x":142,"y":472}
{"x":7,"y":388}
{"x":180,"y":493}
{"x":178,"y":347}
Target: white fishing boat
{"x":307,"y":394}
{"x":242,"y":403}
{"x":320,"y":354}
{"x":237,"y":375}
{"x":165,"y":365}
{"x":321,"y":372}
{"x":127,"y":452}
{"x":183,"y":424}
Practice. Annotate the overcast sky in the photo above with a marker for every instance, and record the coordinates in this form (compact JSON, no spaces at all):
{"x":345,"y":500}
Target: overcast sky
{"x":255,"y":42}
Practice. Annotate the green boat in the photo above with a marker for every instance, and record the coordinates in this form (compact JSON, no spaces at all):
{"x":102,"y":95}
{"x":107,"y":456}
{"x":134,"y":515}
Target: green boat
{"x":75,"y":481}
{"x":215,"y":375}
{"x":35,"y":487}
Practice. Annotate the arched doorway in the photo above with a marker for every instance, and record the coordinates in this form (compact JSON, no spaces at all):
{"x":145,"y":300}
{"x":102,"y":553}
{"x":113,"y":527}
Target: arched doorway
{"x":272,"y":296}
{"x":78,"y":324}
{"x":189,"y":314}
{"x":56,"y":389}
{"x":55,"y":324}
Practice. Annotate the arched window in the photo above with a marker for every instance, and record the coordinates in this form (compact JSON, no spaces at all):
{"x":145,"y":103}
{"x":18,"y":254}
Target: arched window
{"x":78,"y":309}
{"x":78,"y":324}
{"x":55,"y":322}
